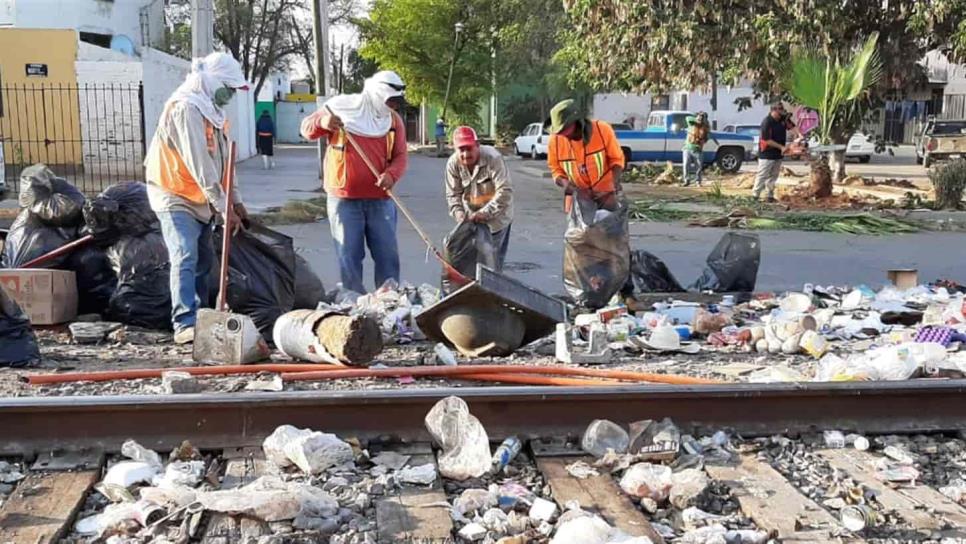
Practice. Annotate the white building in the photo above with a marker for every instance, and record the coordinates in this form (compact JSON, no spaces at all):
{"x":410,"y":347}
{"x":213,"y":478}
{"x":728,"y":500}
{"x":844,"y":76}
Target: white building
{"x":277,"y":86}
{"x":736,"y":106}
{"x":125,"y":25}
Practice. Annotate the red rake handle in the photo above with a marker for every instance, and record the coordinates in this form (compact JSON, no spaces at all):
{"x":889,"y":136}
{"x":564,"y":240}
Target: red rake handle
{"x":229,"y":184}
{"x":452,"y":272}
{"x":62,"y":250}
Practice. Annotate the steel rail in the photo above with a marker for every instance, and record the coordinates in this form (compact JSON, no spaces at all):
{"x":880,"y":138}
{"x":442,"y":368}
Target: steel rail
{"x":39,"y":424}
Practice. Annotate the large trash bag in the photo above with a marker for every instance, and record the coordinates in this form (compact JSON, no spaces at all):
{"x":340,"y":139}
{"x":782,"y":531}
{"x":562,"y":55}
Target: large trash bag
{"x":143,"y":294}
{"x":467,"y":245}
{"x":596,"y":253}
{"x":649,"y":274}
{"x":49,"y":198}
{"x":18,"y":344}
{"x":261,"y":275}
{"x":30,"y":238}
{"x":120,"y":210}
{"x":96,"y":280}
{"x":732,"y":264}
{"x":309,"y":290}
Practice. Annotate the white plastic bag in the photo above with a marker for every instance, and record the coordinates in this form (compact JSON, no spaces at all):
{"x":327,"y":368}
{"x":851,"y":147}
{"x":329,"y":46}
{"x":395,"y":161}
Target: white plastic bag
{"x":466,"y":447}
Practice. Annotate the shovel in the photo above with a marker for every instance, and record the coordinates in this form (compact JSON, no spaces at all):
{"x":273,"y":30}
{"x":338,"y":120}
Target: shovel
{"x":221,"y":336}
{"x":454,"y":275}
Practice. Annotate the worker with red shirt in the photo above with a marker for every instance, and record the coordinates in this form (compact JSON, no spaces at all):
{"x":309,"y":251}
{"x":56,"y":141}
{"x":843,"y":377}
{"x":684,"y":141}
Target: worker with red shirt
{"x":361,"y":214}
{"x":584,"y":155}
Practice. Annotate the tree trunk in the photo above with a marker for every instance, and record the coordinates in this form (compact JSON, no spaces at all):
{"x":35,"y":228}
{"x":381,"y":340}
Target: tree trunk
{"x":821,"y":177}
{"x":837,"y":166}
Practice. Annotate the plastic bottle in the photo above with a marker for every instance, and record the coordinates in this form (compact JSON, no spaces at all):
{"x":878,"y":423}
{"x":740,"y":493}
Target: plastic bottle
{"x":602,"y":435}
{"x":505,"y":453}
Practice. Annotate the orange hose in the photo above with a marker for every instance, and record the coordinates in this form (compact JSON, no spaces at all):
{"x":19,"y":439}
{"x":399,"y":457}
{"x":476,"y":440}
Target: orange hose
{"x":440,"y":371}
{"x":526,"y":379}
{"x":138,"y":373}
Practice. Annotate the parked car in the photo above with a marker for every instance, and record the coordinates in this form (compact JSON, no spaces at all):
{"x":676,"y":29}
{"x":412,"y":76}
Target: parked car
{"x":532,"y":141}
{"x":748,"y":130}
{"x":860,"y":147}
{"x":664,"y":136}
{"x":941,"y":139}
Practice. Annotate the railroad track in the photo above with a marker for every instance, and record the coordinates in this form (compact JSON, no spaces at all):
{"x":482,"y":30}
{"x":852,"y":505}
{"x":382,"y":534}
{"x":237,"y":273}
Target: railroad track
{"x":74,"y":432}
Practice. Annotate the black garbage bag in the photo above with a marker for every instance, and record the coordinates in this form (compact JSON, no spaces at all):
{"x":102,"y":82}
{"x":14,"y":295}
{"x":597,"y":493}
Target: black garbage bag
{"x":732,"y":264}
{"x":96,"y":280}
{"x":143,"y":294}
{"x":261,"y":275}
{"x":467,"y":245}
{"x":120,"y":210}
{"x":649,"y":274}
{"x":18,"y":344}
{"x":596,"y":253}
{"x":49,"y":198}
{"x":309,"y":290}
{"x":30,"y":238}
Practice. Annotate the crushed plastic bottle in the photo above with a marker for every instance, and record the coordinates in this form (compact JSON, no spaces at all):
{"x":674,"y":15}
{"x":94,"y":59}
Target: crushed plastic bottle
{"x":444,"y":355}
{"x":505,"y":453}
{"x":602,"y":435}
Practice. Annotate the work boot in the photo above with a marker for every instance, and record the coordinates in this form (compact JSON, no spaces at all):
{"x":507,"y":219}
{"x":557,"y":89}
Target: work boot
{"x":184,"y":336}
{"x":771,"y":200}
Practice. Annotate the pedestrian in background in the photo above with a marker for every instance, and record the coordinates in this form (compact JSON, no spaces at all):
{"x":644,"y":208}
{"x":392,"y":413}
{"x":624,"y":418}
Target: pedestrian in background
{"x":266,"y":139}
{"x":772,"y":147}
{"x":361,"y":214}
{"x":478,"y":188}
{"x":440,"y":138}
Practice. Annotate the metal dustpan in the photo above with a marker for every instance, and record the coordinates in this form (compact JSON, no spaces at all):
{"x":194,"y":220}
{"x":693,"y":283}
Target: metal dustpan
{"x":491,"y":316}
{"x":221,"y":336}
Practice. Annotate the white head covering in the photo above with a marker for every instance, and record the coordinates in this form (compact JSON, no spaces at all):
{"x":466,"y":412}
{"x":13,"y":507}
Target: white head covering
{"x":367,"y":114}
{"x":207,"y":75}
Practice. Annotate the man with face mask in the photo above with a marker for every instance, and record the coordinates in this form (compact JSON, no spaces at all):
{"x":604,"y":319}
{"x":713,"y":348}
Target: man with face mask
{"x":478,"y":188}
{"x":184,"y":167}
{"x":360,"y":212}
{"x":584,"y":155}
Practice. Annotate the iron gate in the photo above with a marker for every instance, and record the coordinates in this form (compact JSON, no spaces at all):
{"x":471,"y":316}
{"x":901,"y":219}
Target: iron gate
{"x":91,"y":134}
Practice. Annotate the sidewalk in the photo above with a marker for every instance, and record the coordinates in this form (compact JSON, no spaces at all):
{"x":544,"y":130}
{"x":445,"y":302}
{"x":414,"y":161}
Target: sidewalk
{"x":295,"y":177}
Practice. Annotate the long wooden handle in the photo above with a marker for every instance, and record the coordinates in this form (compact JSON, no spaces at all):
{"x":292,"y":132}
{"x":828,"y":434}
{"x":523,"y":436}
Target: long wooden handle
{"x":229,"y":184}
{"x":399,"y":204}
{"x":62,"y":250}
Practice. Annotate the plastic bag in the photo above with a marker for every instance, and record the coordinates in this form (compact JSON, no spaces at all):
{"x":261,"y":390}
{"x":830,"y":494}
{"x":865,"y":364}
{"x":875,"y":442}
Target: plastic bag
{"x":649,"y":274}
{"x":143,"y":295}
{"x":732,"y":264}
{"x":51,"y":199}
{"x":120,"y":210}
{"x":96,"y":280}
{"x":30,"y":238}
{"x":466,"y":448}
{"x":466,"y":246}
{"x":18,"y":344}
{"x":309,"y":290}
{"x":596,"y":253}
{"x":261,"y":275}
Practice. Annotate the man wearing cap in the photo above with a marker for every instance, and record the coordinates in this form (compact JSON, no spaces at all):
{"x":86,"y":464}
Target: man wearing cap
{"x":771,"y":145}
{"x":478,"y":188}
{"x":184,"y":167}
{"x":699,"y":132}
{"x":361,"y":214}
{"x":584,"y":155}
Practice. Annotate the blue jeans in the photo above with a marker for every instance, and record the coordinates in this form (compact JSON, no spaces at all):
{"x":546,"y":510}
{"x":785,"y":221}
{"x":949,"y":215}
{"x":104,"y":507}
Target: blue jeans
{"x":357,"y":223}
{"x":191,"y":255}
{"x":501,"y":240}
{"x":692,"y":159}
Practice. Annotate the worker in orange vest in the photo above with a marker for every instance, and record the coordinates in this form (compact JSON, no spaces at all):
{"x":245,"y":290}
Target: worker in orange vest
{"x":184,"y":167}
{"x":584,"y":155}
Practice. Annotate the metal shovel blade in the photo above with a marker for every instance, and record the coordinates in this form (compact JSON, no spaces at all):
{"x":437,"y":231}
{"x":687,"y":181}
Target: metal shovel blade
{"x":227,"y":338}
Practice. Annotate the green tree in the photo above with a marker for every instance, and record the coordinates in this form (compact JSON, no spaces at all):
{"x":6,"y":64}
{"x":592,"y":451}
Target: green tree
{"x":658,"y":45}
{"x":832,"y":87}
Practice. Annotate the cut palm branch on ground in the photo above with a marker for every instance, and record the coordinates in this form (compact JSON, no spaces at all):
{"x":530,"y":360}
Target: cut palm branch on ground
{"x":863,"y":223}
{"x":294,"y":212}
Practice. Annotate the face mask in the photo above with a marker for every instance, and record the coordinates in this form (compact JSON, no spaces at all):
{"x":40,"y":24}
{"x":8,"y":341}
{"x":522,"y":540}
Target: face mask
{"x":223,"y":96}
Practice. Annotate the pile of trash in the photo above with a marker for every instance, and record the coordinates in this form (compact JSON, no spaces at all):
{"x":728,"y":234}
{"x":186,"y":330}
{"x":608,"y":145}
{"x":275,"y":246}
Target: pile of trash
{"x":850,"y":334}
{"x":393,"y":305}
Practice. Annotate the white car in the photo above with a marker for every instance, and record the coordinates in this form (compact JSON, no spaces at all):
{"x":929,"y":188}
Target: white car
{"x":860,"y":147}
{"x":748,"y":130}
{"x":532,"y":141}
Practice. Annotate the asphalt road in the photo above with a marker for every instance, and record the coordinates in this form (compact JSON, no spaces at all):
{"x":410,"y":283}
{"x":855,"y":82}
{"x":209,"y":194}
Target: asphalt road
{"x":789,"y":259}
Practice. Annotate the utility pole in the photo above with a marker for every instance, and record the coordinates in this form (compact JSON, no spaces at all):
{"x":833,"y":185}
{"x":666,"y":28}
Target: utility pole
{"x":202,"y":28}
{"x":320,"y":31}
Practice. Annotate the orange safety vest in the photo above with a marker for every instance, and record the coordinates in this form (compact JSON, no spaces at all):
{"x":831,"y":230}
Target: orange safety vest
{"x":585,"y":164}
{"x":175,"y":176}
{"x":335,"y":168}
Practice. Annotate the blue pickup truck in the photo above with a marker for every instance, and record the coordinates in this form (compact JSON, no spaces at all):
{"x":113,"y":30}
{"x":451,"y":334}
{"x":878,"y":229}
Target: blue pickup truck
{"x":664,"y":136}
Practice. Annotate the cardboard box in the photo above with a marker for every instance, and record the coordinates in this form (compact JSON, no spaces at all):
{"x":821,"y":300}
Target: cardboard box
{"x":904,"y":278}
{"x":47,"y":296}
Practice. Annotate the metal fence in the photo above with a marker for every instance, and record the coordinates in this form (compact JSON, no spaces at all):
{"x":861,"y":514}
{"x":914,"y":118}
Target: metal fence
{"x":91,"y":134}
{"x":954,"y":106}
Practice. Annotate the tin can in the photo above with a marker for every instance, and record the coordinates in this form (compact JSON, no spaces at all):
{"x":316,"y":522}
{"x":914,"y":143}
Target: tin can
{"x":858,"y":517}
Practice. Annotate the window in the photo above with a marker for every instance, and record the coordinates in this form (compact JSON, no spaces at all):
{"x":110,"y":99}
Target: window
{"x":678,"y":122}
{"x":100,"y":40}
{"x":660,"y":102}
{"x":655,"y":120}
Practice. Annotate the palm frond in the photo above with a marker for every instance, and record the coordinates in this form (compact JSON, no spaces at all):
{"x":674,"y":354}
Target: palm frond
{"x":864,"y":70}
{"x":807,"y":82}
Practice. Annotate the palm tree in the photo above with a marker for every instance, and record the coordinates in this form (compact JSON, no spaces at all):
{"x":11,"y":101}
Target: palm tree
{"x":832,"y":88}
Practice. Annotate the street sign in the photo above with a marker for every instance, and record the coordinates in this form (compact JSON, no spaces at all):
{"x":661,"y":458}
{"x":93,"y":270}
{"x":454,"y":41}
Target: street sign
{"x":36,"y":70}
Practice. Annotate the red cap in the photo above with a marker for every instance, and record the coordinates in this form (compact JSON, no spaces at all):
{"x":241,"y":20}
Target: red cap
{"x":464,"y":136}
